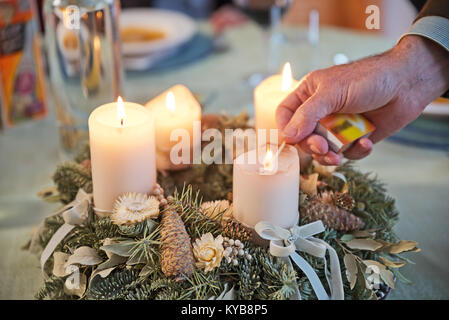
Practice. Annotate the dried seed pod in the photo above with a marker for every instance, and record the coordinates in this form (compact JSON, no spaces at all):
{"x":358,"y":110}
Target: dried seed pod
{"x":233,"y":228}
{"x":344,"y":201}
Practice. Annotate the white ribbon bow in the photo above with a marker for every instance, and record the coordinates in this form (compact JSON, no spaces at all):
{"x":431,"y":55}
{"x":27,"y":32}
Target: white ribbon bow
{"x":74,"y":213}
{"x":285,"y":243}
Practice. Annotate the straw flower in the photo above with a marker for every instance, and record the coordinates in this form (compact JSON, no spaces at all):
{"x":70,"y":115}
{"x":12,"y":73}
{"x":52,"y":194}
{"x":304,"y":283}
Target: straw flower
{"x":208,"y":251}
{"x":131,"y":208}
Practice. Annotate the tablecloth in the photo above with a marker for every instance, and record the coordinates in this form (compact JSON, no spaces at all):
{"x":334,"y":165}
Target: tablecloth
{"x":417,"y":178}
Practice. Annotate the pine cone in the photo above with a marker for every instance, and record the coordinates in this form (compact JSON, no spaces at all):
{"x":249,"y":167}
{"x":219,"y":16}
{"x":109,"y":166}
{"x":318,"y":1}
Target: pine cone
{"x":344,"y":201}
{"x":235,"y":230}
{"x":331,"y":215}
{"x":176,"y":249}
{"x":341,"y":199}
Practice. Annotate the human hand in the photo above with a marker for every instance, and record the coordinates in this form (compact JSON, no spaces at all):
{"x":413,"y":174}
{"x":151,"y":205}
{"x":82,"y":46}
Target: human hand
{"x":226,"y":17}
{"x":390,"y":90}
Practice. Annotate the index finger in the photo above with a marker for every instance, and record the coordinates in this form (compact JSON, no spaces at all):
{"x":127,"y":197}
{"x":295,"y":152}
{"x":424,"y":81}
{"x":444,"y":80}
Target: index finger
{"x":290,"y":104}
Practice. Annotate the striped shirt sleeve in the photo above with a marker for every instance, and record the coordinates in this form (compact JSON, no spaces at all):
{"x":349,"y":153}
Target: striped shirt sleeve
{"x":435,"y":28}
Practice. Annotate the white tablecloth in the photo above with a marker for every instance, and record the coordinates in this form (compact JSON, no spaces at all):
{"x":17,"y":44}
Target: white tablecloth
{"x":417,"y":178}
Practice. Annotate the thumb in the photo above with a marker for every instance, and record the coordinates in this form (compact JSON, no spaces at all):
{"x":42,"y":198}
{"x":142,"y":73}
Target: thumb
{"x":305,"y":118}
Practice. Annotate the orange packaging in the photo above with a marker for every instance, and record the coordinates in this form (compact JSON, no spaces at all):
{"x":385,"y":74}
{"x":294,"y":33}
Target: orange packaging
{"x":342,"y":130}
{"x":22,"y":94}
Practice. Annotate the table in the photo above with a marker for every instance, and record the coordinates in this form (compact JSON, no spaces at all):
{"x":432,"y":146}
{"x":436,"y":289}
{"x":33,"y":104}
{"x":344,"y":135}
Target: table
{"x":417,"y":178}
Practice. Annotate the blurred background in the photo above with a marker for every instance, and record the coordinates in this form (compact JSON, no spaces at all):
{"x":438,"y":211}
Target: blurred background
{"x":151,"y":36}
{"x":53,"y":73}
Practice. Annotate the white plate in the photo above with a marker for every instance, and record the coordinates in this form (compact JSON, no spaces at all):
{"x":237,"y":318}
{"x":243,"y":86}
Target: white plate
{"x":178,"y":29}
{"x":139,"y":63}
{"x":438,"y":108}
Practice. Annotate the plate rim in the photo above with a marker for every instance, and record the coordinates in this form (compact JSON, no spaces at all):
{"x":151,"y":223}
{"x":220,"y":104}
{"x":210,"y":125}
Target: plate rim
{"x":135,"y":50}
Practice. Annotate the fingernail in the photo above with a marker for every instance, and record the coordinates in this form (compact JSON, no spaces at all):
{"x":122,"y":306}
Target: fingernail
{"x":314,"y":149}
{"x":290,"y":132}
{"x":365,"y":143}
{"x":328,"y":159}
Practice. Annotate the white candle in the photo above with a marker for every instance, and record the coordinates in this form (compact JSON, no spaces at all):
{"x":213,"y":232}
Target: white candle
{"x":268,"y":189}
{"x":269,"y":94}
{"x":122,"y":151}
{"x":175,"y":108}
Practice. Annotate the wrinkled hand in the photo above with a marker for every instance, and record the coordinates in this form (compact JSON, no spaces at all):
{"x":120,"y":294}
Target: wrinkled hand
{"x":390,"y":89}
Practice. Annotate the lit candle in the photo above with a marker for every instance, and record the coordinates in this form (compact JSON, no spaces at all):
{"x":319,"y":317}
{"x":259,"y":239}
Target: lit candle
{"x":269,"y":94}
{"x":175,"y":108}
{"x":122,"y":151}
{"x":267,"y":189}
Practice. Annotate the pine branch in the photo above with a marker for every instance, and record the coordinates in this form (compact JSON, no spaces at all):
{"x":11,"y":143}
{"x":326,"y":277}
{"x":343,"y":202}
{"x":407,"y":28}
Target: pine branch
{"x":53,"y":288}
{"x":69,"y":178}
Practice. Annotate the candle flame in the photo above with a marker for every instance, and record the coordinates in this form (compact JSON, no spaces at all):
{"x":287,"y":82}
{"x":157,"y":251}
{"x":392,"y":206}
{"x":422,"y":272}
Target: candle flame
{"x":287,"y":78}
{"x":97,"y":43}
{"x":121,"y":115}
{"x":268,"y":160}
{"x":170,"y":101}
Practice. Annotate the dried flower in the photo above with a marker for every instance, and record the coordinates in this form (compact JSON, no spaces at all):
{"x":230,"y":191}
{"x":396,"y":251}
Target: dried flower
{"x":217,"y":209}
{"x":208,"y":251}
{"x":131,"y":208}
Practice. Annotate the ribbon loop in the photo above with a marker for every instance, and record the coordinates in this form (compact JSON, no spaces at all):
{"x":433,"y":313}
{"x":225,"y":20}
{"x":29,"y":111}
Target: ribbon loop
{"x":269,"y":231}
{"x":285,"y":243}
{"x":278,"y":249}
{"x":74,"y":213}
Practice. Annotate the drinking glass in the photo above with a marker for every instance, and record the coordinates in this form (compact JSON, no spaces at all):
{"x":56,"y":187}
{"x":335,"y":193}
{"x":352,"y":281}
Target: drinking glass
{"x":268,"y":15}
{"x":83,"y":47}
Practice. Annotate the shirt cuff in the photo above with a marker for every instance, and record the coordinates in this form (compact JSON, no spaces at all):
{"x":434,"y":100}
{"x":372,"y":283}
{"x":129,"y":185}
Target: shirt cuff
{"x":434,"y":28}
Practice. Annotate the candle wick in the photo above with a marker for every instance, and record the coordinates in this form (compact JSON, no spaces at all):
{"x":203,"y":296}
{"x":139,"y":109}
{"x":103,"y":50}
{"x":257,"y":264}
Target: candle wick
{"x":280,"y":149}
{"x":121,"y":122}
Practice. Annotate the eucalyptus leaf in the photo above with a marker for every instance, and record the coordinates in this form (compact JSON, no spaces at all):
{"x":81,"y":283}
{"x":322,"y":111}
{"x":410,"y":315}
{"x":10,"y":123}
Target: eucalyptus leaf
{"x":105,"y":268}
{"x":392,"y":264}
{"x":59,"y":264}
{"x":146,"y":270}
{"x":85,"y":256}
{"x":403,"y":246}
{"x":113,"y":261}
{"x":379,"y":265}
{"x":359,"y":288}
{"x":401,"y":277}
{"x":346,"y":237}
{"x":387,"y":277}
{"x":106,"y":242}
{"x":364,"y":244}
{"x":351,"y":269}
{"x":362,"y":234}
{"x":122,"y":248}
{"x":103,"y":273}
{"x":404,"y":259}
